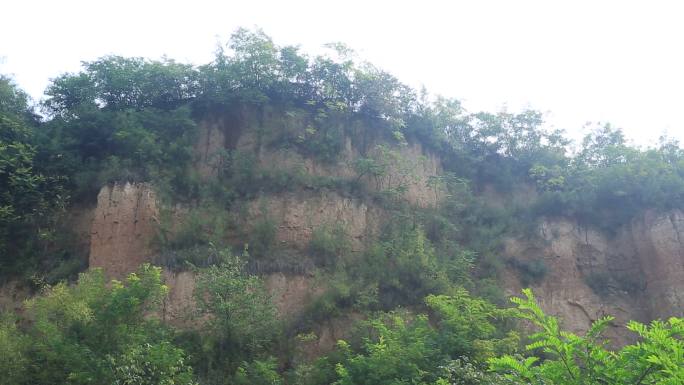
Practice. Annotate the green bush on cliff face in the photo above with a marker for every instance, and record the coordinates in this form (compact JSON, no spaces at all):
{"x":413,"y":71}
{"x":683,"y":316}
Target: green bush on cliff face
{"x":329,"y":245}
{"x":262,"y":238}
{"x":606,"y":283}
{"x":399,"y":269}
{"x":403,"y":266}
{"x":14,"y":347}
{"x":531,"y":272}
{"x":240,"y":323}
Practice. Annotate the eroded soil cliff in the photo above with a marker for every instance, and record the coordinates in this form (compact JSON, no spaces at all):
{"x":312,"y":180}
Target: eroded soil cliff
{"x":637,"y":273}
{"x":124,"y":224}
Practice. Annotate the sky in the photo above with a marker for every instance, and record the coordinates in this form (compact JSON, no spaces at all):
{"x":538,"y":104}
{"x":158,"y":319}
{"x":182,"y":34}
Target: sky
{"x":577,"y":61}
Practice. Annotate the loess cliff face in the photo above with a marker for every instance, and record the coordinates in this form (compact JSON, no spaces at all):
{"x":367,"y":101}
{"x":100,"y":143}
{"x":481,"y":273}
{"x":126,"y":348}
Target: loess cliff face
{"x":126,"y":219}
{"x":408,"y":165}
{"x":296,"y":217}
{"x":124,"y":224}
{"x":657,"y":240}
{"x":636,"y":274}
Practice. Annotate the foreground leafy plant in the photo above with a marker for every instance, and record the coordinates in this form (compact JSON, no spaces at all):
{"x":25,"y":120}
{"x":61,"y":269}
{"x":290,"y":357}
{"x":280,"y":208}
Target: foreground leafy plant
{"x":94,"y":332}
{"x":658,"y":358}
{"x":240,"y":323}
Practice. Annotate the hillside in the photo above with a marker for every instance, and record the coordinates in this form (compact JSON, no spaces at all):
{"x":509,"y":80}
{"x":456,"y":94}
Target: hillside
{"x":314,"y":221}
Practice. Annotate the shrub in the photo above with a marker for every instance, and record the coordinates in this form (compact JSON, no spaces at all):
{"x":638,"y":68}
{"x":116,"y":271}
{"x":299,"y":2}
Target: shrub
{"x":200,"y":225}
{"x":262,"y":238}
{"x":14,"y":359}
{"x":531,"y":271}
{"x":194,"y":256}
{"x":599,"y":282}
{"x":398,"y":352}
{"x":328,"y":245}
{"x":604,"y":283}
{"x":96,"y":331}
{"x":241,"y":318}
{"x":403,"y":266}
{"x":258,"y":372}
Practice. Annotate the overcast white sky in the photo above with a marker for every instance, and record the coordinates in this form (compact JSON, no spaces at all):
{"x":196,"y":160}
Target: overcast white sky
{"x":577,"y":61}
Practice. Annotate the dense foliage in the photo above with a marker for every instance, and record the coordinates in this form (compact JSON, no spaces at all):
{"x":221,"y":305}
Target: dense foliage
{"x":242,"y":324}
{"x":30,"y":194}
{"x":94,"y":332}
{"x":658,"y":357}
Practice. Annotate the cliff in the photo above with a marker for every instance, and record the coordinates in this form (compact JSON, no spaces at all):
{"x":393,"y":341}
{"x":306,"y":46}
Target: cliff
{"x":124,"y":224}
{"x":636,"y":274}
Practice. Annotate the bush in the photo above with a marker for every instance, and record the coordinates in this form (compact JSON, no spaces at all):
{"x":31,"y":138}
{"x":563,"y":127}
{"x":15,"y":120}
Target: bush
{"x":190,"y":257}
{"x":328,"y":245}
{"x":470,"y":326}
{"x":339,"y":294}
{"x":94,"y":331}
{"x":201,"y":225}
{"x":14,"y":352}
{"x":399,"y":352}
{"x":258,"y":372}
{"x":605,"y":283}
{"x":531,"y":272}
{"x":599,"y":282}
{"x":262,"y":238}
{"x":241,"y":319}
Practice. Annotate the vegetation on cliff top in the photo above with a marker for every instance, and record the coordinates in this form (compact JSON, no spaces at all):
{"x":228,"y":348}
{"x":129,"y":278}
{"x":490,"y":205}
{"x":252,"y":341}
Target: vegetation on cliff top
{"x":134,"y":119}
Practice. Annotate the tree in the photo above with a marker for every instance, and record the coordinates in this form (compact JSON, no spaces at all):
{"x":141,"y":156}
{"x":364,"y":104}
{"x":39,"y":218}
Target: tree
{"x":147,"y":364}
{"x":14,"y":348}
{"x":13,"y":100}
{"x":467,"y":326}
{"x":29,"y":198}
{"x":241,"y":318}
{"x":119,"y":83}
{"x":400,"y":352}
{"x":255,"y":60}
{"x":94,"y":332}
